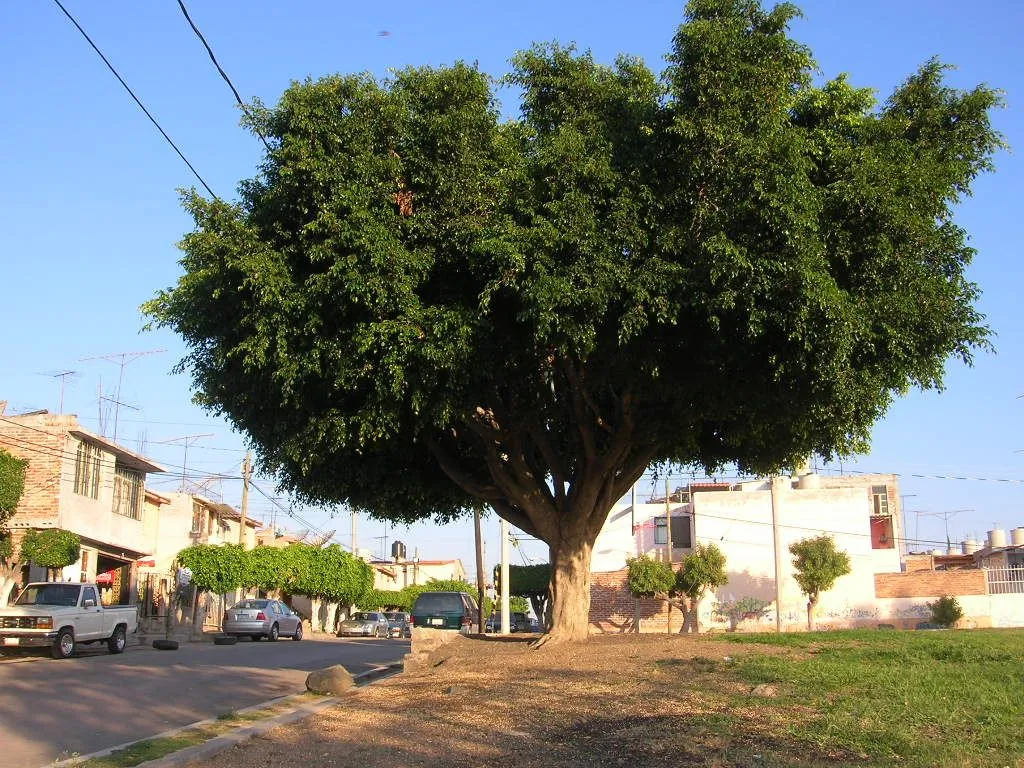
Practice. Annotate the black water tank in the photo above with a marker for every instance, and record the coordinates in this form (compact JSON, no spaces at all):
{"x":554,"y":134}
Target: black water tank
{"x":398,"y":550}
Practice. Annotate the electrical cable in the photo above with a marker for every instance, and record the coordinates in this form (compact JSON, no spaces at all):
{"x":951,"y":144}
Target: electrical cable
{"x":136,"y":98}
{"x":223,"y":74}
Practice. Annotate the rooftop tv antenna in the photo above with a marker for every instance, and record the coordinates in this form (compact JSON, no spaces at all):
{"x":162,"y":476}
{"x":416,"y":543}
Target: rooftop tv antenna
{"x":186,"y":441}
{"x":122,"y":359}
{"x":945,"y":517}
{"x":63,"y":376}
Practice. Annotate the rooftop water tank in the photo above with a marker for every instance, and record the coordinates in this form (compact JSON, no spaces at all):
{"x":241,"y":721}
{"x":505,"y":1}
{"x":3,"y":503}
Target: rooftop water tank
{"x":1017,"y":537}
{"x":970,"y":546}
{"x":996,"y":538}
{"x":809,"y":481}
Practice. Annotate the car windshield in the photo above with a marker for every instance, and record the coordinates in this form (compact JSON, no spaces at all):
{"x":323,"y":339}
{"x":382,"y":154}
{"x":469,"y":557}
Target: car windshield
{"x":438,"y":601}
{"x":395,"y":616}
{"x":365,"y":617}
{"x":49,"y":594}
{"x":250,"y":604}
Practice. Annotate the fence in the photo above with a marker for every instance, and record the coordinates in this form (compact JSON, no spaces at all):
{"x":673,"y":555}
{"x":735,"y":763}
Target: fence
{"x":1005,"y":581}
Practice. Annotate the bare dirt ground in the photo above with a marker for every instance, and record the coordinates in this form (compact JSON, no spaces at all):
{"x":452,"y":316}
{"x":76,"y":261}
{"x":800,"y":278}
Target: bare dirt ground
{"x":616,"y":700}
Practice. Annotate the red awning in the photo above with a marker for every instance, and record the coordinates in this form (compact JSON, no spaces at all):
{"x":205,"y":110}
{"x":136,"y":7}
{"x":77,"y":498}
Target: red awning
{"x":105,"y":578}
{"x":150,"y":563}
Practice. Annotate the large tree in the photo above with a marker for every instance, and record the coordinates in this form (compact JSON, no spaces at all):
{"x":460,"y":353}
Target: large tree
{"x":417,"y":306}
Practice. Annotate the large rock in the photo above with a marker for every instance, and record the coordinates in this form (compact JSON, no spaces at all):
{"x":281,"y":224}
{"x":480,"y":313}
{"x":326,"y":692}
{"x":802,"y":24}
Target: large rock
{"x":332,"y":681}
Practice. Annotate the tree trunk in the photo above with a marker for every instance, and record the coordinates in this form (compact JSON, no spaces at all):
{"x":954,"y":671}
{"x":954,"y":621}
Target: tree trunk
{"x":570,"y":591}
{"x":691,"y":620}
{"x":810,"y":614}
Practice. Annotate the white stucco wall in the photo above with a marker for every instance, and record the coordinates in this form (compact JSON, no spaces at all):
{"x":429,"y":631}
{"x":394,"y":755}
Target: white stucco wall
{"x":740,"y":524}
{"x":94,"y":518}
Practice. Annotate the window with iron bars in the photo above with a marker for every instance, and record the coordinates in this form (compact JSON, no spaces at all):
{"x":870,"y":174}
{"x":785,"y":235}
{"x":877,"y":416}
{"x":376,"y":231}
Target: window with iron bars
{"x":128,"y":493}
{"x":87,"y":471}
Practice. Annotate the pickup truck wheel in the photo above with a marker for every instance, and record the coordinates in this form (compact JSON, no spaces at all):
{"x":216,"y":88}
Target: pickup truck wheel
{"x":64,"y":645}
{"x":118,"y":640}
{"x":274,"y":633}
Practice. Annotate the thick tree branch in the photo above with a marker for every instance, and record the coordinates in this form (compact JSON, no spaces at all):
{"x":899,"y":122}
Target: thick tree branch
{"x":450,"y":466}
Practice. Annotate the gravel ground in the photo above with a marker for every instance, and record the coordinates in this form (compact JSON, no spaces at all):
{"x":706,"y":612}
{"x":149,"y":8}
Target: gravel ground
{"x":615,"y":700}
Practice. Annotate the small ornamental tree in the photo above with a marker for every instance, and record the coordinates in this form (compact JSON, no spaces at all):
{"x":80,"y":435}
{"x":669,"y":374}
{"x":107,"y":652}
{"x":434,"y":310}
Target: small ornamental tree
{"x":53,"y":549}
{"x":12,"y":485}
{"x":216,"y":568}
{"x":264,"y":568}
{"x":818,"y":564}
{"x":650,"y":578}
{"x":702,"y":570}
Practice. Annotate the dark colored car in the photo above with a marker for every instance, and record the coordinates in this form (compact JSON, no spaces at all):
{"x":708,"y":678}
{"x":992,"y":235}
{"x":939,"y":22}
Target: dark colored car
{"x":398,"y":624}
{"x":518,"y":621}
{"x":444,"y":610}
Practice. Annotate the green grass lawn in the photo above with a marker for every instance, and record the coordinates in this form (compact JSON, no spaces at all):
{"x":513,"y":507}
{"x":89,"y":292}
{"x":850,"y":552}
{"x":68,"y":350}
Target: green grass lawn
{"x":935,"y":698}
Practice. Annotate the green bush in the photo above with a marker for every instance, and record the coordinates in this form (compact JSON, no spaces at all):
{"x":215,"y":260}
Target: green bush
{"x":946,"y":611}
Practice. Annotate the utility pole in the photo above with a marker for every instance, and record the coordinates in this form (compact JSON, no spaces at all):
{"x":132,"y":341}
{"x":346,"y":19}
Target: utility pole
{"x":355,"y":545}
{"x":505,"y":609}
{"x":246,"y":474}
{"x":478,"y":535}
{"x":903,"y":522}
{"x":777,"y":488}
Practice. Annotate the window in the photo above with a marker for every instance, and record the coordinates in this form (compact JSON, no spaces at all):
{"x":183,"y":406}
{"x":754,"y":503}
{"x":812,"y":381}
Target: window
{"x":84,"y":576}
{"x":128,"y":493}
{"x":197,"y":517}
{"x":879,"y":500}
{"x":881,"y":532}
{"x":88,"y":593}
{"x":87,"y":471}
{"x":680,"y":531}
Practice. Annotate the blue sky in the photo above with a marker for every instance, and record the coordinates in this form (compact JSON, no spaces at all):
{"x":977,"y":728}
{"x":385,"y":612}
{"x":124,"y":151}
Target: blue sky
{"x":91,"y":215}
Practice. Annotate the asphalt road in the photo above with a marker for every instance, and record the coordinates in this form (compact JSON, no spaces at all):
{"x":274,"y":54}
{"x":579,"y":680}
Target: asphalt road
{"x":50,"y":709}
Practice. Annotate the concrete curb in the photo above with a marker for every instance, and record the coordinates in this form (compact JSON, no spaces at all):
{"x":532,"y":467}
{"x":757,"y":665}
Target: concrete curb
{"x":238,"y":735}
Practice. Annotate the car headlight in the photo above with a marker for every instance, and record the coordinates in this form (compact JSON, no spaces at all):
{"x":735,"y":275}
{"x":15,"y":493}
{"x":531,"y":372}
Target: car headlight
{"x":44,"y":622}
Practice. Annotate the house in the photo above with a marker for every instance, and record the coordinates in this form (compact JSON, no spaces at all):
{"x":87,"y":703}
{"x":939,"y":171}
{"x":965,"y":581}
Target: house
{"x":391,"y":576}
{"x":747,"y":521}
{"x":85,"y":483}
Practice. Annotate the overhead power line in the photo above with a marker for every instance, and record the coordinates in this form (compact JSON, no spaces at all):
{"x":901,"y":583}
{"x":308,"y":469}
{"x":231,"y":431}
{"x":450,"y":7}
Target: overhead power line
{"x":223,"y":74}
{"x":136,"y":98}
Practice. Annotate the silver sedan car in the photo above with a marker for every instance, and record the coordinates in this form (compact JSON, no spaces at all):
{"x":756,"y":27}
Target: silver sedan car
{"x":365,"y":624}
{"x":262,"y":618}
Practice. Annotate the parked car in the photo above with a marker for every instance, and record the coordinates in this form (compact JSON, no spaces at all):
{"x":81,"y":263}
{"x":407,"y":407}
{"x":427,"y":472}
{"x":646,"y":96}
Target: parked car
{"x":518,"y":622}
{"x":398,"y":624}
{"x":258,"y":618}
{"x":444,"y":610}
{"x":365,"y":624}
{"x":61,"y":616}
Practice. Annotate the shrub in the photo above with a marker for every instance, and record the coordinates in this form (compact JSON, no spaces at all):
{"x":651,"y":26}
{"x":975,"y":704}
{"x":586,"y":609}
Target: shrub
{"x":946,"y":611}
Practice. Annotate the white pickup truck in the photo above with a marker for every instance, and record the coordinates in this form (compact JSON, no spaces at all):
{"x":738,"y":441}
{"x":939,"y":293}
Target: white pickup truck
{"x":60,"y":616}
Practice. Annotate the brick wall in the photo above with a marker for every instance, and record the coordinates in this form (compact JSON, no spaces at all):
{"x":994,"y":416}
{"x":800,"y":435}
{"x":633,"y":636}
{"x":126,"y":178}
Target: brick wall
{"x":930,"y":583}
{"x":43,"y":444}
{"x":614,"y":610}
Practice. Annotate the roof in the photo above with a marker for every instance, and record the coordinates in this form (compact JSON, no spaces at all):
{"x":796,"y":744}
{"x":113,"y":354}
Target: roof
{"x":128,"y":458}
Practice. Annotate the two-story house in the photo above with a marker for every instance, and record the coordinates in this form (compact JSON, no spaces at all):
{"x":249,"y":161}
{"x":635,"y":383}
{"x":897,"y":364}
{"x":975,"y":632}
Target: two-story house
{"x":85,"y":483}
{"x":745,"y":520}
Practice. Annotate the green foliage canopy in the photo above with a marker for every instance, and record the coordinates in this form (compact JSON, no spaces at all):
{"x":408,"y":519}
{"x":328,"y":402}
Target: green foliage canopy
{"x":52,"y":548}
{"x":818,"y":564}
{"x":649,"y":578}
{"x":416,"y":307}
{"x":701,"y":570}
{"x":12,"y":485}
{"x":216,"y":568}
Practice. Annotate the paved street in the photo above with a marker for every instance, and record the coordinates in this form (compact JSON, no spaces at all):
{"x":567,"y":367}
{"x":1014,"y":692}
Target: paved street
{"x":52,"y":709}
